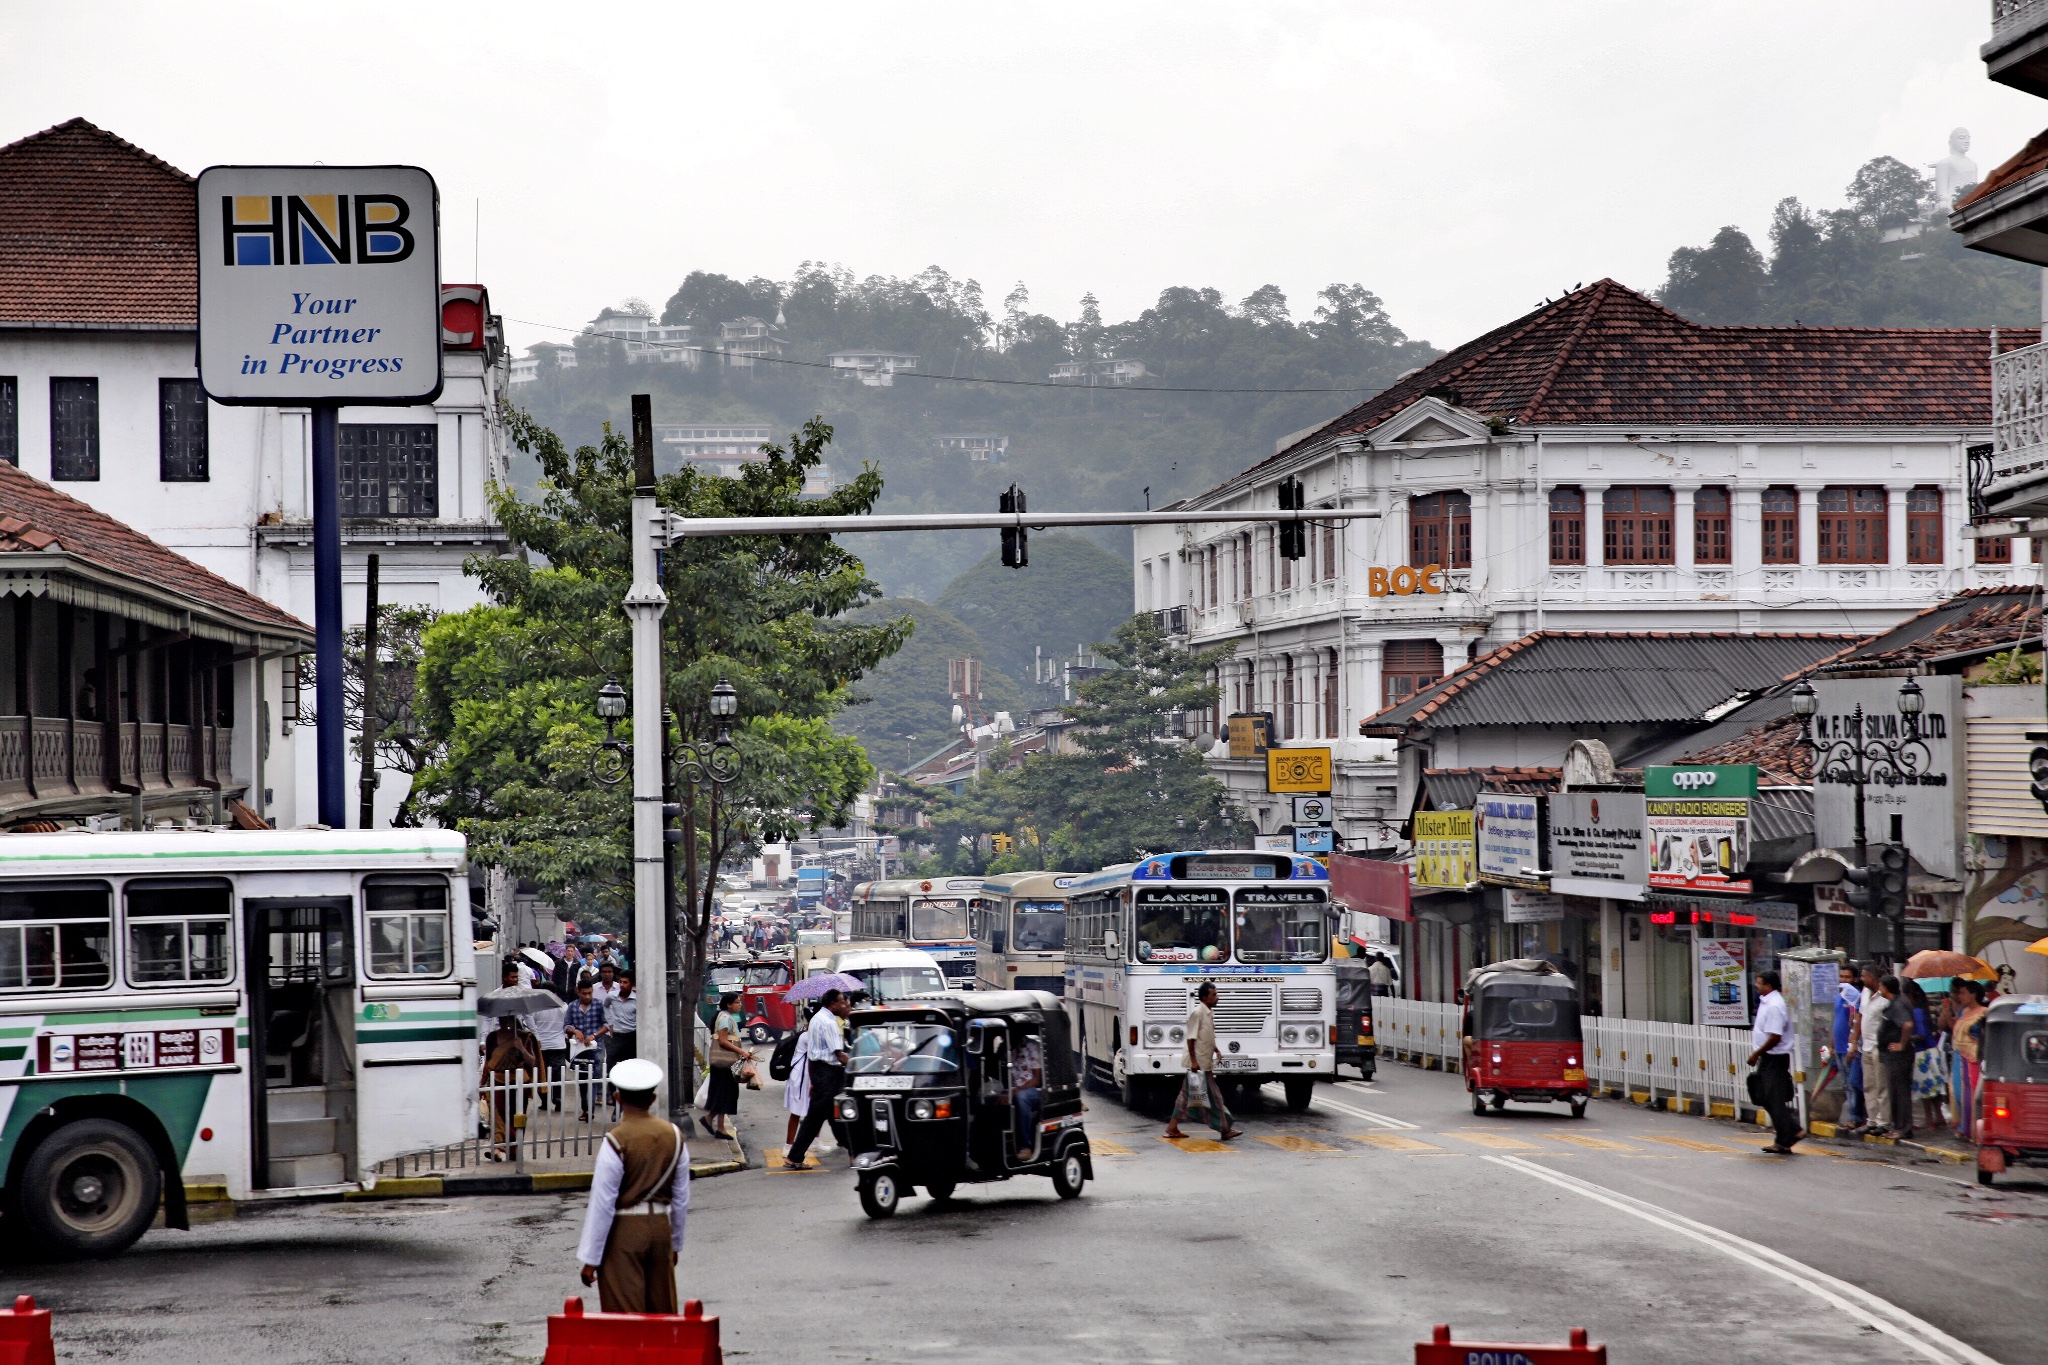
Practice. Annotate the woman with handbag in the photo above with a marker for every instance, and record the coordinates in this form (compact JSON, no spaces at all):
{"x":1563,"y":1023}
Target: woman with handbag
{"x":728,"y":1054}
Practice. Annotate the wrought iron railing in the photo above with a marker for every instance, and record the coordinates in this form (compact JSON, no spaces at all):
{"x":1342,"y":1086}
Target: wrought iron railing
{"x":522,"y":1116}
{"x":2013,"y":16}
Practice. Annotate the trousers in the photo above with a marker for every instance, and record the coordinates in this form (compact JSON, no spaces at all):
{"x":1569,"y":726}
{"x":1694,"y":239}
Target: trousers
{"x":1774,"y":1074}
{"x":1898,"y":1087}
{"x":638,"y":1272}
{"x":1876,"y":1108}
{"x":827,"y":1079}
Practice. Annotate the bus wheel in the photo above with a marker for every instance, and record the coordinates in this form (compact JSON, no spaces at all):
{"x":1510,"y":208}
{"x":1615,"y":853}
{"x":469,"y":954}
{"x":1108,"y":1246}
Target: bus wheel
{"x":878,"y":1194}
{"x":91,"y":1189}
{"x":1130,"y":1091}
{"x":1300,"y":1090}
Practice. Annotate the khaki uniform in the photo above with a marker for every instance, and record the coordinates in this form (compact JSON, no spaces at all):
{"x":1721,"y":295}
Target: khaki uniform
{"x":638,"y":1273}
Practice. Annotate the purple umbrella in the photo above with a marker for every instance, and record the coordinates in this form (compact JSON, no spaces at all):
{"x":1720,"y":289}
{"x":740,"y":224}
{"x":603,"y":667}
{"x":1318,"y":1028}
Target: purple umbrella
{"x":812,"y":987}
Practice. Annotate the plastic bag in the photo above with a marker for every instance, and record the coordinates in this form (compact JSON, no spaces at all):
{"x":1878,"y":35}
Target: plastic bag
{"x":1198,"y":1090}
{"x":704,"y":1091}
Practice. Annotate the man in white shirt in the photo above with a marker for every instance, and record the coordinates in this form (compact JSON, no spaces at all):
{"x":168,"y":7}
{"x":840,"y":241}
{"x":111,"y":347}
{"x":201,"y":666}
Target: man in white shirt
{"x":825,"y":1041}
{"x":1876,"y":1093}
{"x":622,"y":1020}
{"x":1770,"y":1041}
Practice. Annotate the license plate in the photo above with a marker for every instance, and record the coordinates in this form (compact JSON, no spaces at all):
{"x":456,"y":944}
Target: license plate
{"x":1572,"y":1073}
{"x":1237,"y":1064}
{"x":881,"y":1082}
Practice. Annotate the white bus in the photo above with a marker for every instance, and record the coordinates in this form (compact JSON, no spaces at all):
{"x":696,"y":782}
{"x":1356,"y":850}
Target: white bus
{"x":930,"y":914}
{"x":274,"y":1012}
{"x":1021,"y":927}
{"x":1142,"y":937}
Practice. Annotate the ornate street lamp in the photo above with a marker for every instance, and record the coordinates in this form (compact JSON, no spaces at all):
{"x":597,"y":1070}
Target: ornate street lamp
{"x":613,"y":758}
{"x":716,"y":760}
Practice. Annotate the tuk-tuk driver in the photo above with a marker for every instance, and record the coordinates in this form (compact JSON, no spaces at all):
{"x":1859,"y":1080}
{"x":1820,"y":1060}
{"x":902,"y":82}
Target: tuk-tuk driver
{"x":639,"y":1196}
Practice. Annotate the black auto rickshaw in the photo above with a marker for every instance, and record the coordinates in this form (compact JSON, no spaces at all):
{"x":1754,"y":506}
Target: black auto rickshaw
{"x":1355,"y":1045}
{"x":1521,"y":1037}
{"x":961,"y":1088}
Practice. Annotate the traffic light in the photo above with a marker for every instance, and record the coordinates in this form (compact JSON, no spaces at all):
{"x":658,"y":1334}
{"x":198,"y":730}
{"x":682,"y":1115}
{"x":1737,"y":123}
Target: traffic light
{"x":1016,"y":540}
{"x":1880,"y":898}
{"x":2037,"y":767}
{"x":1888,"y":883}
{"x":1002,"y":843}
{"x":1293,"y":534}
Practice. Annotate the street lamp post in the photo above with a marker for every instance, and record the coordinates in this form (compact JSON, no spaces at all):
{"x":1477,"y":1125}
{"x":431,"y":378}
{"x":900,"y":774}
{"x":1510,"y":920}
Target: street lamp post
{"x":1859,"y":757}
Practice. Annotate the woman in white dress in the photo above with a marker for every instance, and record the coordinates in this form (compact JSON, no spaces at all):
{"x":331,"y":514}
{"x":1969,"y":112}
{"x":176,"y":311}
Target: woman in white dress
{"x":796,"y":1091}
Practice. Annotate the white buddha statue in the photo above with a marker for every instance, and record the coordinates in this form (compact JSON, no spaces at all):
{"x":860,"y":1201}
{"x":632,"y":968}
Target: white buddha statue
{"x":1955,"y":172}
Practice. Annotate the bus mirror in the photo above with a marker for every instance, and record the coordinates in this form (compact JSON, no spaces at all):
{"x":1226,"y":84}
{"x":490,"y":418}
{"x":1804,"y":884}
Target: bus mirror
{"x":1112,"y":943}
{"x":995,"y":940}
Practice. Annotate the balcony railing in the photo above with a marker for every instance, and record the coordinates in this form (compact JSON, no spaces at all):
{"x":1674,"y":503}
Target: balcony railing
{"x":50,"y":758}
{"x":2017,"y":54}
{"x":2014,"y":482}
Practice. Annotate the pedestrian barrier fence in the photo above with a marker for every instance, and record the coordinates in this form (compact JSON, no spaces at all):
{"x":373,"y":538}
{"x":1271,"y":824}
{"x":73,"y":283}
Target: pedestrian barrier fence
{"x":520,"y":1116}
{"x":579,"y":1338}
{"x":1642,"y":1057}
{"x":1441,"y":1350}
{"x":25,"y":1334}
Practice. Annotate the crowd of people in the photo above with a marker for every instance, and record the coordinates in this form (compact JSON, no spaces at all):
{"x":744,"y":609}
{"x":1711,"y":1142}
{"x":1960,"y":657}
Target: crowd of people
{"x":592,"y":1030}
{"x":1909,"y":1060}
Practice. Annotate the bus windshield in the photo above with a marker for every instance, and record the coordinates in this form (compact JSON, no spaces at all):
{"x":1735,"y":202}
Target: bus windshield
{"x":1182,"y":924}
{"x":938,"y":918}
{"x":1281,"y":924}
{"x":1038,"y":927}
{"x":893,"y":983}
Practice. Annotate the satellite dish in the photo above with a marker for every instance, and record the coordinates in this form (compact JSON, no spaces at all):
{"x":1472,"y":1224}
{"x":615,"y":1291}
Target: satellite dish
{"x":958,"y":714}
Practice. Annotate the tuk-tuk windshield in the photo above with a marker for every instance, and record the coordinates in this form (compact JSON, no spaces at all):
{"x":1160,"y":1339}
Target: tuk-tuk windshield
{"x":2016,"y":1049}
{"x":1282,"y":924}
{"x":768,"y":974}
{"x":723,"y":979}
{"x":1039,"y":927}
{"x":901,"y":1049}
{"x":1510,"y":1012}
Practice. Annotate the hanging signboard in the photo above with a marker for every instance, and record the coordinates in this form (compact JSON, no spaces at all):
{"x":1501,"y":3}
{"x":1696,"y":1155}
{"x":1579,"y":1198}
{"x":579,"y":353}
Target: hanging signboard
{"x":1529,"y":907}
{"x":1598,"y":845}
{"x":1298,"y":770}
{"x":1314,"y":839}
{"x":1248,"y":734}
{"x":1696,"y":820}
{"x":1724,"y":981}
{"x":1506,"y":832}
{"x":1925,"y":787}
{"x":319,"y":284}
{"x":1444,"y":856}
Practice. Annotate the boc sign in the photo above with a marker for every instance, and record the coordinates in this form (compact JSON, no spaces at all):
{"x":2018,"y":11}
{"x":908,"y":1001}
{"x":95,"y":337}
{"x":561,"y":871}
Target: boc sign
{"x":319,"y":284}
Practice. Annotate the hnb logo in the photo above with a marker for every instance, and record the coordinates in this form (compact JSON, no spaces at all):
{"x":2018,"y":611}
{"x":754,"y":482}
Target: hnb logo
{"x":314,"y":229}
{"x":1692,"y":781}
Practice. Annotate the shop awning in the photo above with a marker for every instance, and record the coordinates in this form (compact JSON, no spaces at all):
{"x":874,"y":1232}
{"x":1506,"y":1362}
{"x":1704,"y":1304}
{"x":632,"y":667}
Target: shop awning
{"x":1371,"y":886}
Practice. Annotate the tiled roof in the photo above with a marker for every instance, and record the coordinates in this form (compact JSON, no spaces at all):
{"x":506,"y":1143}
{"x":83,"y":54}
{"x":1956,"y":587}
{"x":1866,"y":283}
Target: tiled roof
{"x":1976,"y":622}
{"x":1458,"y":788}
{"x":95,"y":232}
{"x":2031,"y":159}
{"x":1606,"y":355}
{"x":1775,"y":747}
{"x":1605,"y":678}
{"x":36,"y":517}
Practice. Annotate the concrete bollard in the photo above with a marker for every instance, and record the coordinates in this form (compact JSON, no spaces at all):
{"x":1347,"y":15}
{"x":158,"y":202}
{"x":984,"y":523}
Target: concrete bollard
{"x":25,"y":1334}
{"x":579,"y":1338}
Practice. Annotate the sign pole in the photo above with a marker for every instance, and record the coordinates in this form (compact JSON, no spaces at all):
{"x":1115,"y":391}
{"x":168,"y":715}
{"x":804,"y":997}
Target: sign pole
{"x":327,"y":661}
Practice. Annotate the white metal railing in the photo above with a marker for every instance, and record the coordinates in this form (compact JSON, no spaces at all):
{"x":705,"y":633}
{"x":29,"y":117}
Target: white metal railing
{"x":1696,"y":1062}
{"x":522,"y":1116}
{"x":2011,"y":16}
{"x":2019,"y":412}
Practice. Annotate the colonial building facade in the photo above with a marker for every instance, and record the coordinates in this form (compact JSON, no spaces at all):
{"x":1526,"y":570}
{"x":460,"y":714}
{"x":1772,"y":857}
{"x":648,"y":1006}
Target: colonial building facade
{"x":1599,"y":464}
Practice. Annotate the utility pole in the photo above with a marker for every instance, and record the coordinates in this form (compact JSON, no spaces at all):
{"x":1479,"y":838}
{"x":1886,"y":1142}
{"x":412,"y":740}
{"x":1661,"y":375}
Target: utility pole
{"x":366,"y":785}
{"x":645,"y":604}
{"x":328,"y":742}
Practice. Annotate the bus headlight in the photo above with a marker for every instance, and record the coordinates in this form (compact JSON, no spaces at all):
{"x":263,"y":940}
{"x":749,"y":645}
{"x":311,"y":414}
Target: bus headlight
{"x":1311,"y":1036}
{"x":1154,"y":1035}
{"x":1175,"y":1034}
{"x":1290,"y":1035}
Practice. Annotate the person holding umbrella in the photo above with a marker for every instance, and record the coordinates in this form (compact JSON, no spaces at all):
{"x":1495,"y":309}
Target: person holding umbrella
{"x":509,"y":1050}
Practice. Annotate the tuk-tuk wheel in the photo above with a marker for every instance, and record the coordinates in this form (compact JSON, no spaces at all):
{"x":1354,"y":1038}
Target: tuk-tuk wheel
{"x":1068,"y":1175}
{"x":1984,"y":1177}
{"x":1478,"y":1104}
{"x":760,"y":1033}
{"x":941,"y":1191}
{"x":1579,"y":1110}
{"x":1500,"y":1103}
{"x":878,"y":1194}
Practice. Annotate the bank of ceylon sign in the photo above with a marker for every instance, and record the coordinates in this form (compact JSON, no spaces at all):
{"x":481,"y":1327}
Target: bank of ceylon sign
{"x":319,"y":284}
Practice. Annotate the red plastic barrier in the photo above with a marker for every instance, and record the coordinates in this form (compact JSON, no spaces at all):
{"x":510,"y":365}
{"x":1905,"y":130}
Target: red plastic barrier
{"x":1440,"y":1350}
{"x":25,"y":1334}
{"x":579,"y":1338}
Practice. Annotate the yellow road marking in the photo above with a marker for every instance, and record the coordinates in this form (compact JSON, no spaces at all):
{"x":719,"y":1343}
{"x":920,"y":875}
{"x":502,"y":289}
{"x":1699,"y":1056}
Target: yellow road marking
{"x":1103,"y":1146}
{"x":1188,"y":1144}
{"x":1395,"y":1142}
{"x":1694,"y":1144}
{"x":1292,"y":1143}
{"x":773,"y":1159}
{"x":1497,"y":1141}
{"x":1593,"y":1144}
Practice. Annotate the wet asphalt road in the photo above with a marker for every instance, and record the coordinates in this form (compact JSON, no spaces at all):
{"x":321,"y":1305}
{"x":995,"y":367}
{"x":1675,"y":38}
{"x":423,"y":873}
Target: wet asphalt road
{"x":1337,"y":1235}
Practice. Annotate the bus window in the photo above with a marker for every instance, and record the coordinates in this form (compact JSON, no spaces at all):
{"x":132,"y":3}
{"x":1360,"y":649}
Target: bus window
{"x":1281,"y":924}
{"x":1182,"y":924}
{"x":408,"y":927}
{"x":1039,"y":927}
{"x":178,"y":932}
{"x":57,"y":936}
{"x":935,"y":919}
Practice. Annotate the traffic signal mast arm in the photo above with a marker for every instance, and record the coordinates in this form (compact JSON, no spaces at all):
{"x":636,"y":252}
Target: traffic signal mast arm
{"x":669,"y":528}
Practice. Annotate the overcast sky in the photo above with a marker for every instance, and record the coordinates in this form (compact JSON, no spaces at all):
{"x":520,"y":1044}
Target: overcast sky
{"x":1464,"y":160}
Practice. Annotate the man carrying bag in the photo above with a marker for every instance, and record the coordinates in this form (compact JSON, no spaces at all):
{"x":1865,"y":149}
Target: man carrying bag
{"x":1198,"y":1089}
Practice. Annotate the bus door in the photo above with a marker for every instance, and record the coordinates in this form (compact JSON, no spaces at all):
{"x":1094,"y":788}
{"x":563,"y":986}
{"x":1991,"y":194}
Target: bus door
{"x":302,"y":1041}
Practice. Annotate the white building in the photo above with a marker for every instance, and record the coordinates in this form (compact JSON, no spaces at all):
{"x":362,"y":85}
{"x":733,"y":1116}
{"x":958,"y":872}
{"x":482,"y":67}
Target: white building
{"x":648,"y":342}
{"x":1599,"y":464}
{"x":978,"y":446}
{"x":99,"y":394}
{"x":526,"y":368}
{"x":876,"y":369}
{"x":1113,"y":373}
{"x":743,"y":341}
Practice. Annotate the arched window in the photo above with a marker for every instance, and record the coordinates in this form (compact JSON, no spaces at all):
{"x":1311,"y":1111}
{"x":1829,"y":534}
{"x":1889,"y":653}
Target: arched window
{"x":1638,"y":526}
{"x":1440,"y":530}
{"x":1923,"y":526}
{"x":1780,"y":510}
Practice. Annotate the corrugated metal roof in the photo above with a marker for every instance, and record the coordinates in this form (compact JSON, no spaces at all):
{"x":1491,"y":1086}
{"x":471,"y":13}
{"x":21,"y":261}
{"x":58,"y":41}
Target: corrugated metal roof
{"x":1781,"y":813}
{"x":2000,"y":784}
{"x":1595,"y":678}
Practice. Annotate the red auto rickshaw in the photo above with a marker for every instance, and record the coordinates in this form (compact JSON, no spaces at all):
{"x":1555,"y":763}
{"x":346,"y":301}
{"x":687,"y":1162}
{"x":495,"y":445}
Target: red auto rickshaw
{"x":1521,"y":1036}
{"x":2012,"y":1086}
{"x":764,"y":999}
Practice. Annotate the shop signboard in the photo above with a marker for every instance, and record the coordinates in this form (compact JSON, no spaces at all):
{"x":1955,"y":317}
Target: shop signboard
{"x":1508,"y":836}
{"x":1723,"y":981}
{"x":1298,"y":770}
{"x":1924,"y":787}
{"x":1314,"y":839}
{"x":1598,"y":845}
{"x":1443,"y":849}
{"x":1529,"y":907}
{"x":1248,"y":733}
{"x":1696,"y":818}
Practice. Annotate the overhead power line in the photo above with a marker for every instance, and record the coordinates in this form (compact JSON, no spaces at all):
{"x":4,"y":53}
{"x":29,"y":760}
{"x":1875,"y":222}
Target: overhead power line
{"x":943,"y":378}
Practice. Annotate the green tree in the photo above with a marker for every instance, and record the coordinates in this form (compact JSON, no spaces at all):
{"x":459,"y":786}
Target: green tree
{"x":1129,"y":787}
{"x":508,"y":689}
{"x":1721,"y":282}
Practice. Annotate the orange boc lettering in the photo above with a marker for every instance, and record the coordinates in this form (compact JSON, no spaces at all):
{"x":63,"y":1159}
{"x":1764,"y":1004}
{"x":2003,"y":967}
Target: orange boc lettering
{"x":1402,"y":582}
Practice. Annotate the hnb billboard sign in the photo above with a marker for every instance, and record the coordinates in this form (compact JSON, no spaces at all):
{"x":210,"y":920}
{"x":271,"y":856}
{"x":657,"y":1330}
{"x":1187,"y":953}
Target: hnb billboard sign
{"x":319,"y":284}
